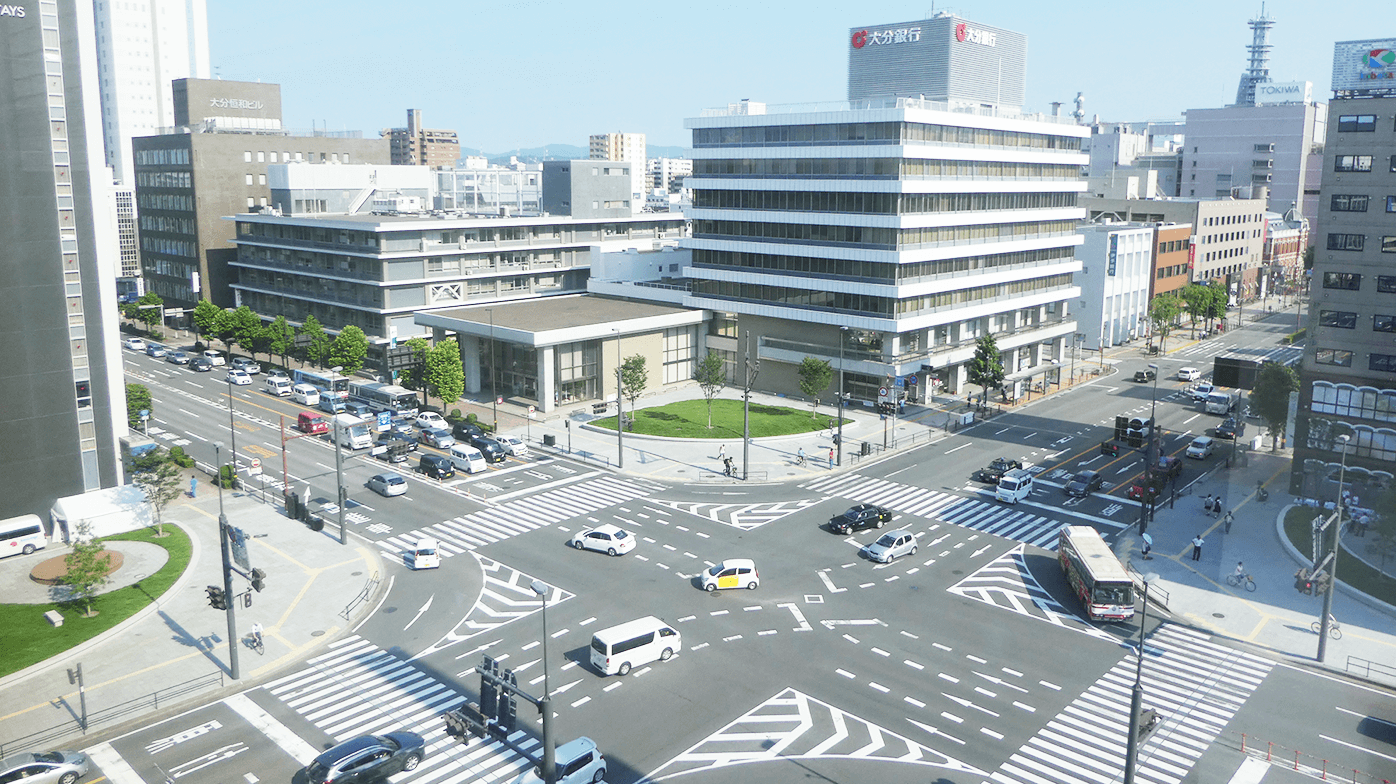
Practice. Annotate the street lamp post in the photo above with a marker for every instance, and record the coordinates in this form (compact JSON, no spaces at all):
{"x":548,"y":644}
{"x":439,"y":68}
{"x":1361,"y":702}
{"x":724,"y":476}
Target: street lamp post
{"x":1136,"y":701}
{"x":338,"y":467}
{"x":620,"y":408}
{"x":838,"y":404}
{"x":546,"y":703}
{"x":232,"y":431}
{"x":223,"y":536}
{"x":1333,"y":566}
{"x":494,"y":395}
{"x":1145,"y":496}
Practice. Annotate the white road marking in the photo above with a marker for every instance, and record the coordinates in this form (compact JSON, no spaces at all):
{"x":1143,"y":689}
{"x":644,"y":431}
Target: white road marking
{"x":915,"y":702}
{"x":879,"y":687}
{"x":419,"y":614}
{"x":845,"y":673}
{"x":799,"y":616}
{"x":275,"y":731}
{"x":824,"y":577}
{"x":956,"y":449}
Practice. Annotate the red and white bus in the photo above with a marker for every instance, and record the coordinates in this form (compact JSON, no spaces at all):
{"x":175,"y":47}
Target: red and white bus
{"x":1095,"y":574}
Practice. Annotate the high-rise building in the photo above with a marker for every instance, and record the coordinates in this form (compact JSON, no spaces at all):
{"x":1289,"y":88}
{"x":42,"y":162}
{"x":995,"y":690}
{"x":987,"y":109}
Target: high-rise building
{"x":888,"y":238}
{"x":1348,"y":377}
{"x":142,"y":48}
{"x":65,"y":408}
{"x":212,"y":165}
{"x":124,"y":197}
{"x":624,"y":147}
{"x":944,"y":58}
{"x":418,"y":146}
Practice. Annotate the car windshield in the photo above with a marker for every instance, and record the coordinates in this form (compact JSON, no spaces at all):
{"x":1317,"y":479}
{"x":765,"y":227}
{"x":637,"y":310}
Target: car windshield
{"x":887,"y":540}
{"x":619,"y":535}
{"x":716,"y":570}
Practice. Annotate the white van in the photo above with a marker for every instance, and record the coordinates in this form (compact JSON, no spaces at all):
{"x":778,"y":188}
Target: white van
{"x":467,"y":458}
{"x":1189,"y":374}
{"x":305,"y":394}
{"x":22,"y":535}
{"x":279,"y":386}
{"x":425,"y":555}
{"x":215,"y":357}
{"x":1014,"y":486}
{"x":616,"y":650}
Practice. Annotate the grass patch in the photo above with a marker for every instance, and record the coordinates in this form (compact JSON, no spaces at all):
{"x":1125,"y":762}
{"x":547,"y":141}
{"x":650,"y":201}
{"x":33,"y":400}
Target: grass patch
{"x":689,"y":419}
{"x":1354,"y":572}
{"x":29,"y":639}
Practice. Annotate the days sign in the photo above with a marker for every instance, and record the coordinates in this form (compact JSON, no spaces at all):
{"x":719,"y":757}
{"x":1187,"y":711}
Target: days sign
{"x":901,"y":35}
{"x":17,"y":11}
{"x":1283,"y":92}
{"x":973,"y":35}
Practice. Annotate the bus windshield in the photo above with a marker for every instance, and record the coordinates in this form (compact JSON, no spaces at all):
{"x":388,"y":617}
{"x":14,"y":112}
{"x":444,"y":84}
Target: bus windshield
{"x":1113,"y":594}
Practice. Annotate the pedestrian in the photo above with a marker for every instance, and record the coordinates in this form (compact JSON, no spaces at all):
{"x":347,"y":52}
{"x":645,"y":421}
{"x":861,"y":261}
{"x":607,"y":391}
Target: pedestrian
{"x":831,"y":459}
{"x":721,"y":451}
{"x":1207,"y":505}
{"x":193,"y":486}
{"x":800,"y":457}
{"x":1228,"y":520}
{"x":1197,"y":547}
{"x":1148,"y":547}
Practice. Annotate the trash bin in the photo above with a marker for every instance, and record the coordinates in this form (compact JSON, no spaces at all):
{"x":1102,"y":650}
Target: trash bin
{"x":293,"y":506}
{"x":316,"y":522}
{"x":867,"y":449}
{"x":549,"y":439}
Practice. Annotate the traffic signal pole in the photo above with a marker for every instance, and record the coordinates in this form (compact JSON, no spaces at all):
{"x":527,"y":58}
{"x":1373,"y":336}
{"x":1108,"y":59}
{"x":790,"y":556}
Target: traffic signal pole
{"x":227,"y":570}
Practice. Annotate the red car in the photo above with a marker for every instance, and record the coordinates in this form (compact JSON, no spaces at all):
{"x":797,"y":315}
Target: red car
{"x":1136,"y":492}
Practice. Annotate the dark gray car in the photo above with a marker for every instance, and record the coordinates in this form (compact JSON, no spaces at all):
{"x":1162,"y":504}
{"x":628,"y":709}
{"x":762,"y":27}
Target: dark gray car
{"x":368,"y":758}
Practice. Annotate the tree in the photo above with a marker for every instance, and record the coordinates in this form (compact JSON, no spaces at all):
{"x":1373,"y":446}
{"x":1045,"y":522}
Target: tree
{"x":149,"y":316}
{"x":815,"y":375}
{"x":986,"y":366}
{"x":1270,"y":398}
{"x":247,"y":329}
{"x":225,"y":329}
{"x":281,"y":338}
{"x":205,"y":318}
{"x":1164,"y":312}
{"x":445,"y":376}
{"x":88,"y":567}
{"x":349,"y":350}
{"x":316,"y":342}
{"x":162,"y":483}
{"x":711,"y":375}
{"x":137,"y":400}
{"x":634,"y":377}
{"x":414,"y":375}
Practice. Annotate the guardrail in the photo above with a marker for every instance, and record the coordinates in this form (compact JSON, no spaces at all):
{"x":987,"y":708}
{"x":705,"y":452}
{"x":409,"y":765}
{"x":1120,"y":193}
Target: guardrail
{"x":361,"y":598}
{"x":1365,"y":668}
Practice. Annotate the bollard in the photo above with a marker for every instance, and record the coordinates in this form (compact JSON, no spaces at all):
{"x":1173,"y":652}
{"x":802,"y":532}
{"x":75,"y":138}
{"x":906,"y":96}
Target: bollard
{"x":1270,"y":750}
{"x":1243,"y":743}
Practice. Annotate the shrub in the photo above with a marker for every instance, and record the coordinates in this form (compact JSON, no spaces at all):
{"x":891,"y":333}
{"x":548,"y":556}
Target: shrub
{"x":227,"y":477}
{"x":180,"y":459}
{"x":455,"y":414}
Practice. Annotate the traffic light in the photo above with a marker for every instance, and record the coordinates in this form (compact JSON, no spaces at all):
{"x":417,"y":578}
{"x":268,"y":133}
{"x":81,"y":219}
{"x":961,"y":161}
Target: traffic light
{"x":1121,"y":427}
{"x":1148,"y":722}
{"x":465,"y":720}
{"x":489,"y":690}
{"x":217,"y":599}
{"x":508,"y":714}
{"x":258,"y":578}
{"x":1321,"y":581}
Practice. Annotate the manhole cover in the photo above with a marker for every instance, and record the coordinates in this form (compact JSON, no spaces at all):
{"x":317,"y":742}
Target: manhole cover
{"x":355,"y":574}
{"x":389,"y":609}
{"x":1218,"y":615}
{"x":317,"y":633}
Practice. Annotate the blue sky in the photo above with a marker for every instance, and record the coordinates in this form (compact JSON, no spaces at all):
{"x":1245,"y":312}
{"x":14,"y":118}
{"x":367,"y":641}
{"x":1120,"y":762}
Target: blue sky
{"x":510,"y":75}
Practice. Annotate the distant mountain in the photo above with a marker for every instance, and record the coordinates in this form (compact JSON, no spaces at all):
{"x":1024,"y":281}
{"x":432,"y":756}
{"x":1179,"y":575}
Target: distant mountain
{"x":565,"y":152}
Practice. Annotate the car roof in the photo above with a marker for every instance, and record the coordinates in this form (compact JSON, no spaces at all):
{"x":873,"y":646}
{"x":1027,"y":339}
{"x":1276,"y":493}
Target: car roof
{"x":607,"y":528}
{"x":730,"y":563}
{"x":574,"y":749}
{"x":346,"y":748}
{"x":1202,"y":440}
{"x":1089,"y":474}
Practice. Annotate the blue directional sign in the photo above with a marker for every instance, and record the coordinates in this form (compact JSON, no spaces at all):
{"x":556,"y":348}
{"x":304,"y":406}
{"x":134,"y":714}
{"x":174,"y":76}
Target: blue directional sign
{"x":385,"y":420}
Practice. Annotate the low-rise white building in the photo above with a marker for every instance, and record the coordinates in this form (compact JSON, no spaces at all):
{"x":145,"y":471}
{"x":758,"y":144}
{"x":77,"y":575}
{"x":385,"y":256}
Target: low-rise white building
{"x":1117,"y":266}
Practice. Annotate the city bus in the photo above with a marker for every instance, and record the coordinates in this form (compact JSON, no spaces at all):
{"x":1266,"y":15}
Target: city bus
{"x":330,"y":383}
{"x":1095,"y":574}
{"x":384,"y":397}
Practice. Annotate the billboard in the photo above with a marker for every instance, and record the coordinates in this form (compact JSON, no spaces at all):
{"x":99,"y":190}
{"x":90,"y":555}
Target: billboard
{"x":1235,"y":372}
{"x":1284,"y":92}
{"x":1365,"y":66}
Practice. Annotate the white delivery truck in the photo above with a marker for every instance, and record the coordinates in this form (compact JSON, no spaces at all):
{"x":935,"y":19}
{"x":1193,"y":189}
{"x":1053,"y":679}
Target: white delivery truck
{"x":1219,"y":402}
{"x":353,"y":432}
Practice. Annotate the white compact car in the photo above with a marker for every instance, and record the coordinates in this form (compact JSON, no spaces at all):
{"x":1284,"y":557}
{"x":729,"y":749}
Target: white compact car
{"x":215,"y":357}
{"x":609,"y":539}
{"x":238,"y":377}
{"x":513,"y":445}
{"x":430,"y":420}
{"x":1189,"y":374}
{"x":135,"y":344}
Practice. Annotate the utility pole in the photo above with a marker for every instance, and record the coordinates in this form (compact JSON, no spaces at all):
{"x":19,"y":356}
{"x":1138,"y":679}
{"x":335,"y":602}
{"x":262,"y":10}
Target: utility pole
{"x":339,"y":477}
{"x":751,"y":370}
{"x":838,"y":404}
{"x":620,"y":408}
{"x":223,"y":535}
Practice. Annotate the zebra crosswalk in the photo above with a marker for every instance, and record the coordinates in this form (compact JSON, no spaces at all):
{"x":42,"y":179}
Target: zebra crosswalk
{"x":1009,"y":522}
{"x":746,"y":517}
{"x":520,"y":515}
{"x":1007,"y":582}
{"x":1195,"y":685}
{"x":358,"y":688}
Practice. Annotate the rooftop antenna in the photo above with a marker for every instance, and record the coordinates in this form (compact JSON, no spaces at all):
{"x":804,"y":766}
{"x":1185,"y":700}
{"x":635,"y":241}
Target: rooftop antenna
{"x":1259,"y":69}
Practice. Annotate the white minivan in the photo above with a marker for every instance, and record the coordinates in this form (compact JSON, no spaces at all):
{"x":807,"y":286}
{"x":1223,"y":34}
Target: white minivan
{"x":305,"y":394}
{"x":467,"y":458}
{"x":215,"y":357}
{"x":279,"y":386}
{"x":1014,"y":486}
{"x":21,"y":535}
{"x":616,"y":650}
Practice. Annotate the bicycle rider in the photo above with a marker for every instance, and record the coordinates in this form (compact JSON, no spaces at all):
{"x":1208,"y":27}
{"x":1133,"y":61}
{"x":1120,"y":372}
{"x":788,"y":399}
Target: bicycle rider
{"x":257,"y":633}
{"x":800,"y":456}
{"x":1240,"y":573}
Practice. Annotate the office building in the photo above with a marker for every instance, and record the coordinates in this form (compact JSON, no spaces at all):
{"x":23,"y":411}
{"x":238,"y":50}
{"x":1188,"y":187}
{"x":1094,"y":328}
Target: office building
{"x":418,"y":146}
{"x":479,"y":187}
{"x":65,"y":403}
{"x":128,"y":249}
{"x":628,"y":147}
{"x":1172,"y":248}
{"x":944,"y":58}
{"x":668,"y":174}
{"x":142,"y":48}
{"x":593,"y":188}
{"x":916,"y":227}
{"x":213,"y":164}
{"x":1117,"y":271}
{"x":1348,"y":375}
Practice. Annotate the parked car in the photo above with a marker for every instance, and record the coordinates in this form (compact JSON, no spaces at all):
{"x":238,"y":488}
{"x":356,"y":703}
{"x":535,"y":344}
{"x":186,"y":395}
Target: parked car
{"x":608,"y":539}
{"x":860,"y":517}
{"x":731,"y":573}
{"x":387,"y":485}
{"x":238,"y":377}
{"x":368,"y":758}
{"x":135,"y":344}
{"x":1144,"y":375}
{"x":490,"y":448}
{"x":1189,"y":374}
{"x":50,"y":767}
{"x":1230,"y":429}
{"x":1200,"y":447}
{"x":428,"y":420}
{"x":201,"y":364}
{"x":1083,"y":484}
{"x":439,"y":437}
{"x":177,"y":358}
{"x":996,"y":469}
{"x":893,"y":544}
{"x":155,"y":350}
{"x":247,"y":366}
{"x":513,"y":445}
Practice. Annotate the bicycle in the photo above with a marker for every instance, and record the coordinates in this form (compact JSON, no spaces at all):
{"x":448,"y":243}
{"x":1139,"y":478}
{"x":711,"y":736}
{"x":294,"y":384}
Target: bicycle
{"x":1237,"y":580}
{"x":800,"y":459}
{"x":1334,"y":629}
{"x":254,"y":641}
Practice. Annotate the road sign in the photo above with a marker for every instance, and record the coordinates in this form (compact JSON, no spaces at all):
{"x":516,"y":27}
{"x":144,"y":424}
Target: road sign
{"x":901,"y":382}
{"x":255,"y":467}
{"x":913,"y":379}
{"x":385,"y":420}
{"x":499,"y":400}
{"x":531,"y":411}
{"x":145,"y":413}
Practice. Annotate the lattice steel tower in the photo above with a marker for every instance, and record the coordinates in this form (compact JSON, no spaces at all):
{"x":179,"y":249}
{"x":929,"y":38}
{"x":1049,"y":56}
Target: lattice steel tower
{"x":1259,"y":70}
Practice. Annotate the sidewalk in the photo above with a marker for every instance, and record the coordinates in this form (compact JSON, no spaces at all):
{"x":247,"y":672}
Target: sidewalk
{"x":177,"y":649}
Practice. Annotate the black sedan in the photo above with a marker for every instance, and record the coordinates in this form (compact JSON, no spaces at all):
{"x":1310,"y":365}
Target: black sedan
{"x":996,"y":469}
{"x":396,"y":437}
{"x":368,"y":758}
{"x":1083,"y":484}
{"x":1230,"y":429}
{"x":490,"y":448}
{"x":200,"y":364}
{"x":860,"y":517}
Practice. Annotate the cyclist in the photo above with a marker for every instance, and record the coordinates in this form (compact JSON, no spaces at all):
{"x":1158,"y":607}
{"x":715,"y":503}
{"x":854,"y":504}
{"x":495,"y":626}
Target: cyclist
{"x":257,"y":634}
{"x":1240,"y":573}
{"x":800,"y":456}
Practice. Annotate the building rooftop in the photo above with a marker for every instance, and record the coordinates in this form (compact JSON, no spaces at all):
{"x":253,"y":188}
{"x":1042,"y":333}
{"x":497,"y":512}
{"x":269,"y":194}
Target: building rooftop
{"x":549,"y":320}
{"x":441,"y":220}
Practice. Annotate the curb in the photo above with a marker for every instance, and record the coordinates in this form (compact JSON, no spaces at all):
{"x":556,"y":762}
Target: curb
{"x":1298,"y":557}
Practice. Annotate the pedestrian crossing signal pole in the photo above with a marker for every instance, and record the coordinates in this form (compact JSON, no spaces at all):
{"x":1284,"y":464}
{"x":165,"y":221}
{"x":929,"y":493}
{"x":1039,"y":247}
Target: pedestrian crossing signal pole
{"x":227,"y":570}
{"x":1136,"y":701}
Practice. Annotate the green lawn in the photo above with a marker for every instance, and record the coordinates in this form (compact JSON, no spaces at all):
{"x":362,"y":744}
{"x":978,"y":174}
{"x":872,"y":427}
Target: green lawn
{"x":689,"y":419}
{"x":1299,"y":529}
{"x":30,"y":639}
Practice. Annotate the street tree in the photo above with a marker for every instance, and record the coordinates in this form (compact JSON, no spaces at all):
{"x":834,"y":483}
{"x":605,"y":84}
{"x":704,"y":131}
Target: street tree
{"x":1164,"y":312}
{"x":248,"y":331}
{"x":225,"y":329}
{"x":414,"y":375}
{"x":316,"y":344}
{"x":445,"y":375}
{"x":711,"y":375}
{"x":281,"y":338}
{"x":1273,"y":385}
{"x":162,"y":482}
{"x":985,"y":368}
{"x":148,"y":310}
{"x":205,"y":318}
{"x":137,"y":400}
{"x":815,"y":375}
{"x":349,"y":350}
{"x":633,"y":377}
{"x":88,"y":567}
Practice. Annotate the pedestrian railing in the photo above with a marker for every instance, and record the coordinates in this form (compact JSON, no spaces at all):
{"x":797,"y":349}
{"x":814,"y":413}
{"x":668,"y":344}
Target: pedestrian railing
{"x":369,"y":587}
{"x":1367,"y":669}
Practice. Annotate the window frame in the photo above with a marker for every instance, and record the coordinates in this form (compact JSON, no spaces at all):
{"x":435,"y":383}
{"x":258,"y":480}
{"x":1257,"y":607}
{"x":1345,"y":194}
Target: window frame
{"x":1337,"y":357}
{"x":1332,"y":280}
{"x":1357,"y":123}
{"x":1356,"y":164}
{"x":1337,"y":319}
{"x":1342,"y":241}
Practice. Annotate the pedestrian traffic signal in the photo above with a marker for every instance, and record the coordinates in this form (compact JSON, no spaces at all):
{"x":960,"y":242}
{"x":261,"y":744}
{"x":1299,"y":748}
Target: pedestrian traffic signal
{"x":1321,"y":581}
{"x":489,"y":688}
{"x":217,"y":599}
{"x":465,"y":720}
{"x":508,"y":714}
{"x":258,"y":580}
{"x":1148,"y":722}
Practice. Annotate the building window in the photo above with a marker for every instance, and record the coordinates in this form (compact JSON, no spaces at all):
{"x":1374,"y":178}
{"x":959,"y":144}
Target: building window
{"x":1339,"y":319}
{"x":247,"y":156}
{"x":1350,"y":281}
{"x":261,"y":157}
{"x":1384,"y":363}
{"x":1391,"y":203}
{"x":678,"y":354}
{"x":1382,"y":323}
{"x":273,"y":157}
{"x":1388,"y":244}
{"x":1333,"y":356}
{"x":1360,"y":123}
{"x":261,"y":179}
{"x":1345,"y":202}
{"x":1356,"y":163}
{"x":1346,"y":241}
{"x":1386,"y":284}
{"x":248,"y":179}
